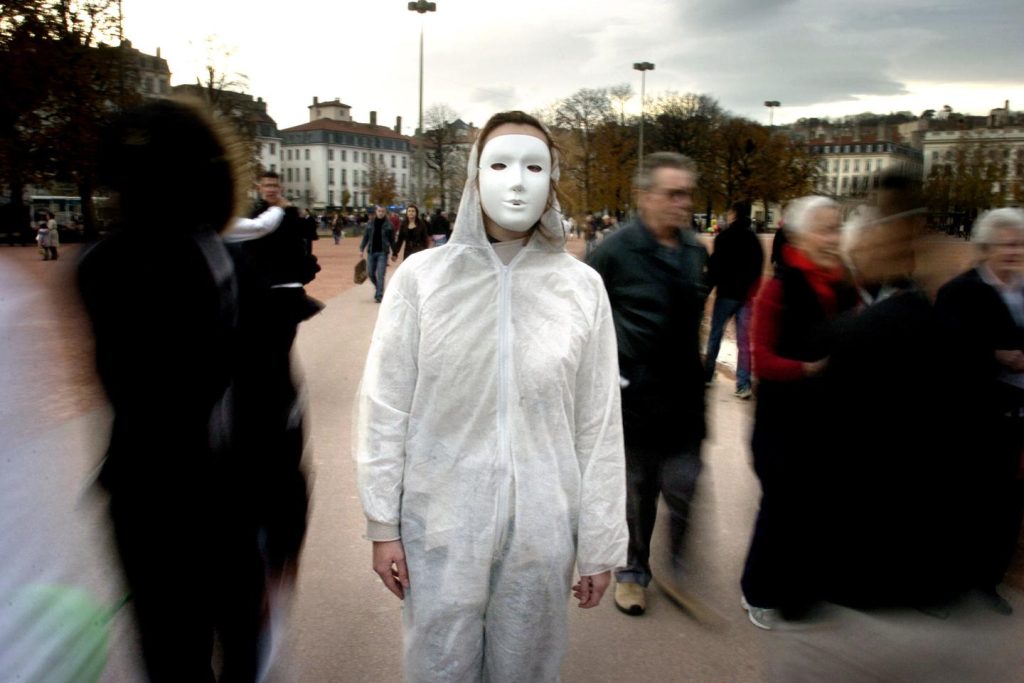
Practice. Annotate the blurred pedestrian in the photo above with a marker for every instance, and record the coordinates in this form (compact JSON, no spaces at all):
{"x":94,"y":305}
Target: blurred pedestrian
{"x":985,"y":307}
{"x":792,"y":339}
{"x":734,"y":271}
{"x":337,"y":224}
{"x":52,"y":235}
{"x":164,"y":329}
{"x":440,"y":229}
{"x":653,"y":269}
{"x":893,"y":529}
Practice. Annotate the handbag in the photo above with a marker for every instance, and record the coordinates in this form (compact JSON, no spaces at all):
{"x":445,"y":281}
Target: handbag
{"x":359,"y":276}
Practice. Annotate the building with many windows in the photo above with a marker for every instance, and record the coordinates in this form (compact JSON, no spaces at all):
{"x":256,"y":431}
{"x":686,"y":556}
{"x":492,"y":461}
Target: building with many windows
{"x":250,"y":114}
{"x":326,"y":162}
{"x":991,"y":147}
{"x":850,"y":169}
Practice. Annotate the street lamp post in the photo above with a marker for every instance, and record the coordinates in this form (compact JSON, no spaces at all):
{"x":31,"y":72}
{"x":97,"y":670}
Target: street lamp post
{"x":422,"y":8}
{"x":643,"y":68}
{"x":771,"y":104}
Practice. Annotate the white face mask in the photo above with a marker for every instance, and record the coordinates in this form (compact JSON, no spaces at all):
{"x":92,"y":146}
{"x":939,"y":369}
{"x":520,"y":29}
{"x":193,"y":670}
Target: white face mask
{"x":515,"y":180}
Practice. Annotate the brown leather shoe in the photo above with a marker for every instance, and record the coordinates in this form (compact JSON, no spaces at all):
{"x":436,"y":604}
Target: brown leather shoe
{"x":630,"y":598}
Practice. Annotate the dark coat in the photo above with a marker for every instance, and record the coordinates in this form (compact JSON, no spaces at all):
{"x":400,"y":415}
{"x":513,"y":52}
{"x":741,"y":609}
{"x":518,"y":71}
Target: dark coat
{"x":787,"y":411}
{"x":893,"y":504}
{"x":736,"y":262}
{"x":982,"y":324}
{"x":414,"y":239}
{"x":387,"y":239}
{"x":657,"y":298}
{"x":282,"y":256}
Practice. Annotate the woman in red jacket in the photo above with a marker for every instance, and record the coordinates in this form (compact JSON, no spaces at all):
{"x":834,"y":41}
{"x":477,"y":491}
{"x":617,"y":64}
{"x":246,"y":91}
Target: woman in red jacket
{"x":792,"y":324}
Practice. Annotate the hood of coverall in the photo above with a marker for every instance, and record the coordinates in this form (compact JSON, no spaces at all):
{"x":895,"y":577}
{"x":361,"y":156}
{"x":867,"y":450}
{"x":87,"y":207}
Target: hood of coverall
{"x":469,"y":223}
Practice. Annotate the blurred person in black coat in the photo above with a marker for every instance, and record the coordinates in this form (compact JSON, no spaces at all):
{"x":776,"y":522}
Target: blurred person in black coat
{"x":164,"y":329}
{"x":889,"y":498}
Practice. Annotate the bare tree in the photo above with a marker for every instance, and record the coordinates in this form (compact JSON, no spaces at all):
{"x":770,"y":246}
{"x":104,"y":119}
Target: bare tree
{"x":383,"y":188}
{"x":442,"y":148}
{"x":581,"y":115}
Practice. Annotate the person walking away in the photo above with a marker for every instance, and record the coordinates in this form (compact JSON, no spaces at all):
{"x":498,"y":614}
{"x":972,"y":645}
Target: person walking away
{"x":734,"y":272}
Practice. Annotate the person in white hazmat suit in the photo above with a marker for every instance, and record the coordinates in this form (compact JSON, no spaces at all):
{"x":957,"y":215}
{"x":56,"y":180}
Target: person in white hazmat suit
{"x":489,"y":440}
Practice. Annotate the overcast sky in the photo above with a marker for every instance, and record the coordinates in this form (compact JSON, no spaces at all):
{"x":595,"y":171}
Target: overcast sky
{"x":817,"y":57}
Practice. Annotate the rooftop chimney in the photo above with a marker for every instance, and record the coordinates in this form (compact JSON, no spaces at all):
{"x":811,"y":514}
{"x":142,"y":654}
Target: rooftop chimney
{"x":158,"y":55}
{"x":398,"y":125}
{"x":316,"y":100}
{"x":373,"y":118}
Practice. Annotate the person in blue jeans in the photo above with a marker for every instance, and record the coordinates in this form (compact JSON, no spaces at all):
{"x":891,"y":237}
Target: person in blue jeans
{"x":734,"y":270}
{"x":379,"y":238}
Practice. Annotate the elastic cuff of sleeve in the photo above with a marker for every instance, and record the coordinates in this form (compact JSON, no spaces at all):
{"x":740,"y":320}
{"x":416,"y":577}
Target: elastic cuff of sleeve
{"x":377,"y":531}
{"x":590,"y":570}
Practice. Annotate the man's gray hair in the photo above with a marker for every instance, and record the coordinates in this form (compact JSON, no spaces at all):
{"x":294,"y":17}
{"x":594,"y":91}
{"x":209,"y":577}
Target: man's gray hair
{"x":644,"y":179}
{"x":997,"y":219}
{"x":797,"y":217}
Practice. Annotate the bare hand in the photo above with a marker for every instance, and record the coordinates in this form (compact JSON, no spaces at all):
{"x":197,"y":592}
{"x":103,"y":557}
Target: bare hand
{"x":590,"y":589}
{"x":389,"y":563}
{"x":1011,"y":358}
{"x":815,"y":368}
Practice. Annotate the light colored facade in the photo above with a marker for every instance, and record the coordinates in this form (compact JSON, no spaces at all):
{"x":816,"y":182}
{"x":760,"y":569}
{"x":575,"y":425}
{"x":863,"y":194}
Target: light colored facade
{"x":1003,"y":146}
{"x":850,"y":169}
{"x":331,"y":154}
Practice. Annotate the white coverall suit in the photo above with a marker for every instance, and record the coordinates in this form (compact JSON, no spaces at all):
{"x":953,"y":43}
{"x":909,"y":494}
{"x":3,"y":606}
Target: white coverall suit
{"x":489,"y":440}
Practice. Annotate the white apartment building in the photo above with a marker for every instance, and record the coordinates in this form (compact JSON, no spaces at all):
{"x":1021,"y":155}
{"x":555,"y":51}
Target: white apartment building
{"x":330,"y":156}
{"x":851,"y":169}
{"x":1003,"y":146}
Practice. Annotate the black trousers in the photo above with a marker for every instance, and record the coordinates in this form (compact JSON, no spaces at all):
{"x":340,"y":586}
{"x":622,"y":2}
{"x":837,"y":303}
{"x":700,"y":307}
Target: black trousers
{"x":649,"y":472}
{"x":192,"y":574}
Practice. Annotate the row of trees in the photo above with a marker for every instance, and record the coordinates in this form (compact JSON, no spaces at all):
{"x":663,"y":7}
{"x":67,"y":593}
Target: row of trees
{"x":60,"y":85}
{"x":738,"y":159}
{"x":974,"y":177}
{"x":65,"y":73}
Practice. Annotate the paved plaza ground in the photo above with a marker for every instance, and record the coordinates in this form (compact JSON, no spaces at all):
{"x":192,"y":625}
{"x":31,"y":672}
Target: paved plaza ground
{"x":345,"y":625}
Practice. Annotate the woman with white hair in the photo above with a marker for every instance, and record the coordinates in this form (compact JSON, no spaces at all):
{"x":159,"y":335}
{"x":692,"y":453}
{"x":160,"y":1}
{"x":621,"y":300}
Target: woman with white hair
{"x":985,"y":307}
{"x":791,"y":341}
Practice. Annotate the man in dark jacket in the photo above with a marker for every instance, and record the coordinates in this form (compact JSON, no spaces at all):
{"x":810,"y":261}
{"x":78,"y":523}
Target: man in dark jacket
{"x":272,"y":502}
{"x":379,"y":241}
{"x":734,"y":270}
{"x":653,"y":270}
